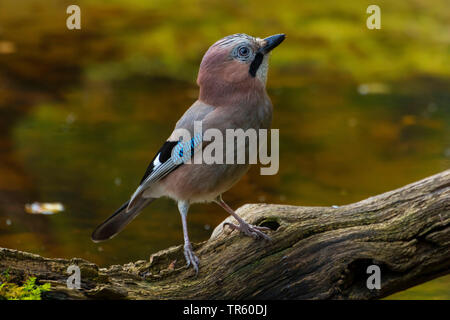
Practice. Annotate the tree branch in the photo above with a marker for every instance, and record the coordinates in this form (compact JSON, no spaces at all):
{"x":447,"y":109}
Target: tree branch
{"x":316,"y":253}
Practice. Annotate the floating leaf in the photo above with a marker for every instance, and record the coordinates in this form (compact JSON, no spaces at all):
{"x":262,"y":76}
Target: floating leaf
{"x":44,"y":208}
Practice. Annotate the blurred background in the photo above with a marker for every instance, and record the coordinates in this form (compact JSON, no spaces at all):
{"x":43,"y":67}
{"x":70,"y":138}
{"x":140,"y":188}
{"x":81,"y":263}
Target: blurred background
{"x":82,"y":112}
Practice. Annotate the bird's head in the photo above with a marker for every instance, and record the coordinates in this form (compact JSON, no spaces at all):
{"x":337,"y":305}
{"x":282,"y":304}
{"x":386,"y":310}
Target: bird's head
{"x":235,"y":64}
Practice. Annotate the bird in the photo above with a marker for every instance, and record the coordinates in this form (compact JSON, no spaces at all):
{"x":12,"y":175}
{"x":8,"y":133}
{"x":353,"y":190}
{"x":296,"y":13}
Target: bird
{"x":232,"y":94}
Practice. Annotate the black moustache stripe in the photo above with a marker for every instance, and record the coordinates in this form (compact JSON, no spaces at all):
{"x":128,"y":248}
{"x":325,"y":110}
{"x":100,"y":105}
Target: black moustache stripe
{"x":256,"y":63}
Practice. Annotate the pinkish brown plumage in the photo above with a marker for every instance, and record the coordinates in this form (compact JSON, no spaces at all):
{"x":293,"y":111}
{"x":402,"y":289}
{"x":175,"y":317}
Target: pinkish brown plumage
{"x":232,"y":80}
{"x":226,"y":81}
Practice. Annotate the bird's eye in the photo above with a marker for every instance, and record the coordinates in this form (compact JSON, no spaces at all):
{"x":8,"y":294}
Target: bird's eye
{"x":244,"y":51}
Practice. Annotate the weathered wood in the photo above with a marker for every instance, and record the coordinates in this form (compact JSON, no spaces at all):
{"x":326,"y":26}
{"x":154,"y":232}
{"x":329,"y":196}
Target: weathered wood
{"x":316,"y":253}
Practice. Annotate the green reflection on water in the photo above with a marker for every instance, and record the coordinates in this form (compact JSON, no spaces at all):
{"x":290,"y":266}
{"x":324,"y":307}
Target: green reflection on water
{"x":82,"y":113}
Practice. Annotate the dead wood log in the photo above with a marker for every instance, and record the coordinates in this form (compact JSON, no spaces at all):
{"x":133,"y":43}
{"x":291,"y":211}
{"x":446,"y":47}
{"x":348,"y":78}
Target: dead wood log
{"x":316,"y":253}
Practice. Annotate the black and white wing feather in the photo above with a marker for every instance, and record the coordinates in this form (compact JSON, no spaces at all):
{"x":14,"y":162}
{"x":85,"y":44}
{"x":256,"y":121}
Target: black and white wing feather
{"x":161,"y":165}
{"x":171,"y":155}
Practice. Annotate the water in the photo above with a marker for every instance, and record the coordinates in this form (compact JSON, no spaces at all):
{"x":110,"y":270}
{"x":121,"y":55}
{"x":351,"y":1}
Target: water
{"x":82,"y":114}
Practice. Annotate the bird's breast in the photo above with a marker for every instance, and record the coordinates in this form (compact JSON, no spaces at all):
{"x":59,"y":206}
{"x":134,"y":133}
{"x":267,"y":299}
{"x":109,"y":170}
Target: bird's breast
{"x":203,"y":182}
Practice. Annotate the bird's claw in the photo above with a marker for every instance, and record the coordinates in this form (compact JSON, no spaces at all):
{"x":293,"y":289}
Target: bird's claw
{"x":191,"y":258}
{"x":250,"y":230}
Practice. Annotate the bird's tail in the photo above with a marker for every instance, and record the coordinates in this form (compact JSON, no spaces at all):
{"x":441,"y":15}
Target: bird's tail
{"x":119,"y":220}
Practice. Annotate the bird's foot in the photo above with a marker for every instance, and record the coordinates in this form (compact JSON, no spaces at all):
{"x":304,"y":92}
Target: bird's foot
{"x":191,"y":258}
{"x":250,"y":230}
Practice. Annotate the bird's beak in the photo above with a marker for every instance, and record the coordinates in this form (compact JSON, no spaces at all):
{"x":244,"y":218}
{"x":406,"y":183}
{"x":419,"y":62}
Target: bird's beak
{"x":272,"y":42}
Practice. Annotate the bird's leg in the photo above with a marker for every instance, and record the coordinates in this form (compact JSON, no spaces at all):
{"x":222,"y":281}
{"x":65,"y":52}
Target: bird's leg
{"x":246,"y":228}
{"x":191,"y":258}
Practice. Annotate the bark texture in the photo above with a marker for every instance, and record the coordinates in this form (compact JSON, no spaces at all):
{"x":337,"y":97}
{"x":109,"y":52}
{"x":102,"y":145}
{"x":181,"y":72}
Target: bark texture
{"x":315,"y":253}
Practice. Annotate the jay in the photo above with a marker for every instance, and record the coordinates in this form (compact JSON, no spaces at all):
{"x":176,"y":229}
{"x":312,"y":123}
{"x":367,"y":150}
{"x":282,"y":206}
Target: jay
{"x":232,"y":80}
